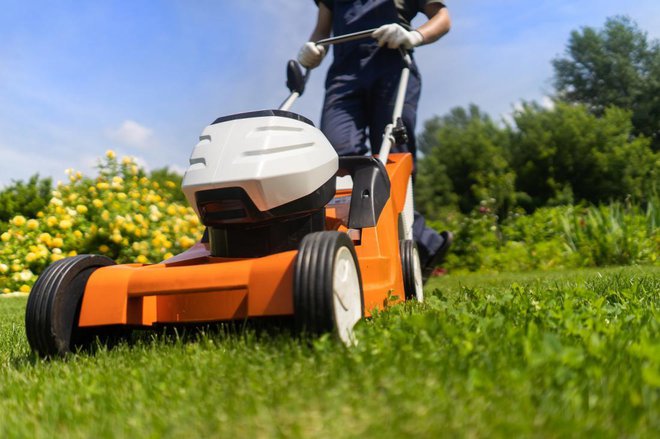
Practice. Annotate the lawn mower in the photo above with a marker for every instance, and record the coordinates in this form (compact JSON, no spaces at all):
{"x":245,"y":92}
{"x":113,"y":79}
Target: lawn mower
{"x":292,"y":230}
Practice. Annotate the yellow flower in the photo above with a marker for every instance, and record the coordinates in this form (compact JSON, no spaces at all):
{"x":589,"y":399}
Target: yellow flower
{"x":5,"y":237}
{"x":141,"y":259}
{"x":18,"y":220}
{"x":51,"y":221}
{"x":126,"y":160}
{"x":167,"y":255}
{"x":24,"y":289}
{"x":77,"y":233}
{"x":25,"y":275}
{"x":110,"y":154}
{"x":56,"y":257}
{"x":65,"y":224}
{"x":72,"y":253}
{"x":4,"y":268}
{"x":97,"y":203}
{"x":57,"y":243}
{"x":102,"y":185}
{"x":30,"y":257}
{"x":186,"y":242}
{"x":81,"y":208}
{"x":32,"y":224}
{"x":104,"y":248}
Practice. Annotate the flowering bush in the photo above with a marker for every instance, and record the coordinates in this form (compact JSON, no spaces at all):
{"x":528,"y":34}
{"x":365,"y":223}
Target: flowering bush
{"x":121,"y":214}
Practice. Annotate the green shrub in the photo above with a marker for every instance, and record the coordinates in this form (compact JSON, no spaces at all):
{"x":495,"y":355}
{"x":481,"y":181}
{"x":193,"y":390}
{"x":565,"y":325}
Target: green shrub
{"x":24,"y":198}
{"x":554,"y":237}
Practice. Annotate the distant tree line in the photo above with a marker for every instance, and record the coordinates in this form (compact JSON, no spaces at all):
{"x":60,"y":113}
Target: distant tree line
{"x":599,"y":141}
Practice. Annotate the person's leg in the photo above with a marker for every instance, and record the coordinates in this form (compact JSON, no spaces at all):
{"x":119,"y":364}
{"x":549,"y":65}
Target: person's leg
{"x":432,"y":246}
{"x":343,"y":118}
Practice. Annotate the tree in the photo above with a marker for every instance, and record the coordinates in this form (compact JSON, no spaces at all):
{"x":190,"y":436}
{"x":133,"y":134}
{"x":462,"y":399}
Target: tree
{"x":615,"y":66}
{"x":20,"y":198}
{"x":567,"y":154}
{"x":464,"y":163}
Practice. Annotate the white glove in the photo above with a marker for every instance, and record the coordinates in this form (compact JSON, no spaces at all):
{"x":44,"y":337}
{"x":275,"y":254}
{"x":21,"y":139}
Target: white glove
{"x":395,"y":36}
{"x":311,"y":55}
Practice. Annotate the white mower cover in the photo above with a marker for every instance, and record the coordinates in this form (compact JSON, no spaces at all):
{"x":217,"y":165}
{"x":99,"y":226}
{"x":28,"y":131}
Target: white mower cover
{"x":275,"y":159}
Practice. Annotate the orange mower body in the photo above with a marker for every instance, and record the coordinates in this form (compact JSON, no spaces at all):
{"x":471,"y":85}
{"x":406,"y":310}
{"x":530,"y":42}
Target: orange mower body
{"x":196,"y":287}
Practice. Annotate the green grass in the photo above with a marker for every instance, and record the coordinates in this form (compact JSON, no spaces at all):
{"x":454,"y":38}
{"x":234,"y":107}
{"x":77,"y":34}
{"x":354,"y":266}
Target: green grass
{"x":549,"y":354}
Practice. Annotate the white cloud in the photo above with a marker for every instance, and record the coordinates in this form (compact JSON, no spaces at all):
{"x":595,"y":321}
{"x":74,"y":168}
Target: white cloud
{"x":131,"y":133}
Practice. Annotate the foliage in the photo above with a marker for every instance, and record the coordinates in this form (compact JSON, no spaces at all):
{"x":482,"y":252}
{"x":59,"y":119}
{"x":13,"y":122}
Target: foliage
{"x":613,"y":235}
{"x":26,"y":199}
{"x":615,"y":66}
{"x":565,"y":154}
{"x":162,"y":176}
{"x":595,"y":144}
{"x":464,"y":163}
{"x":557,"y":237}
{"x":558,"y":354}
{"x":121,"y":213}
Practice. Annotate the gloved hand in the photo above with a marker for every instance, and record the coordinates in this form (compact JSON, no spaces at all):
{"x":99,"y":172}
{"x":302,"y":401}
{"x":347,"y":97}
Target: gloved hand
{"x":311,"y":55}
{"x":395,"y":36}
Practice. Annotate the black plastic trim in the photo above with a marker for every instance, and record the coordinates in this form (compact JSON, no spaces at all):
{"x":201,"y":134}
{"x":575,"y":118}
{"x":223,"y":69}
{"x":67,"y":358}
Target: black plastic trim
{"x":263,"y":113}
{"x":233,"y":205}
{"x":371,"y":189}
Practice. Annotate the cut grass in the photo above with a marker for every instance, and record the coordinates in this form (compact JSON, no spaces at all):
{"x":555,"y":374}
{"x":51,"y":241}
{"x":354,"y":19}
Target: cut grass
{"x":536,"y":354}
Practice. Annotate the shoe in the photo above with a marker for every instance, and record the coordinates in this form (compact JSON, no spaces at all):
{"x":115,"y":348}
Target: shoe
{"x":438,"y":257}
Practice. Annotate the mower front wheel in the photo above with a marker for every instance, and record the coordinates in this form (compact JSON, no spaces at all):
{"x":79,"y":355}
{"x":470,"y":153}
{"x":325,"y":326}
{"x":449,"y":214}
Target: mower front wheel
{"x":413,"y":283}
{"x":53,"y":307}
{"x":327,"y":290}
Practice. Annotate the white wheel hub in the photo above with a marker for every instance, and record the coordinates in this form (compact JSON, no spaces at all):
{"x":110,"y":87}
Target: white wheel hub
{"x":347,"y":302}
{"x":417,"y":273}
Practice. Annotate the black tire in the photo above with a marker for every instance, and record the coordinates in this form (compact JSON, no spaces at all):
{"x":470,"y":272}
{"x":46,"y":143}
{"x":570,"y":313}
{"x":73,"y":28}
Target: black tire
{"x":411,"y":266}
{"x":314,"y":298}
{"x":53,"y":307}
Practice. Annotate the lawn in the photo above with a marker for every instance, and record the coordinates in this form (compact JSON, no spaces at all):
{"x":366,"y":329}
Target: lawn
{"x":551,"y":354}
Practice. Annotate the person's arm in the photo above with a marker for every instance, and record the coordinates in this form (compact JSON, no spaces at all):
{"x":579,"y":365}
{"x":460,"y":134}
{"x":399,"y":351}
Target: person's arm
{"x":310,"y":54}
{"x":438,"y":25}
{"x":323,"y":23}
{"x":394,"y":35}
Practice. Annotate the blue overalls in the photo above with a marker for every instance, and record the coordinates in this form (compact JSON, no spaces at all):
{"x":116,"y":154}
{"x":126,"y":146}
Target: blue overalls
{"x":361,"y":89}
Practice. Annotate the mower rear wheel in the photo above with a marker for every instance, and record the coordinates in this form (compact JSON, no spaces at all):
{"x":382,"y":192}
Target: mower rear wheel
{"x":413,"y":283}
{"x":53,"y":307}
{"x":327,"y":286}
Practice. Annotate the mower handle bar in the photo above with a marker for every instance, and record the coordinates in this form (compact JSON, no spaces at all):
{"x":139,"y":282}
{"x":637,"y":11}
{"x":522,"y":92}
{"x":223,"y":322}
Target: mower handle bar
{"x":388,"y":137}
{"x":346,"y":37}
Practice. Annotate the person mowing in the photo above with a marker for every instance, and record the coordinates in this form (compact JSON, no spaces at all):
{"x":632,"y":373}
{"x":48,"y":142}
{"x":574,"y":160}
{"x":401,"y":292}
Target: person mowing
{"x":362,"y":83}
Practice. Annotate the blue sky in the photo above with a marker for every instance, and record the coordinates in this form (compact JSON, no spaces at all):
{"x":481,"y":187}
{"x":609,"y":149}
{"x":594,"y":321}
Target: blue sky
{"x":144,"y":77}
